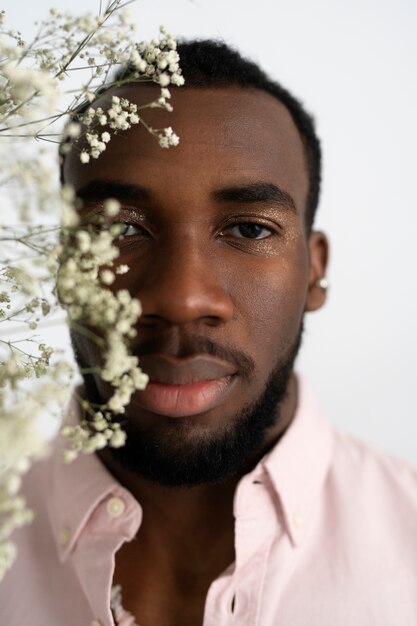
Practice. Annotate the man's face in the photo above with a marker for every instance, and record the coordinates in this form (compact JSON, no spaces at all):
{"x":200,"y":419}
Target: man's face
{"x":220,"y":259}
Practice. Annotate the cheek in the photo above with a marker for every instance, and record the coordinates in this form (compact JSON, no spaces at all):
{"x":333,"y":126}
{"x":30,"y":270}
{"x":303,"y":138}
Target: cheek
{"x":270,"y":303}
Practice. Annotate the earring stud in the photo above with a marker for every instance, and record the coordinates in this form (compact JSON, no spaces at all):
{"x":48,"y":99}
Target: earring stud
{"x":322,"y":282}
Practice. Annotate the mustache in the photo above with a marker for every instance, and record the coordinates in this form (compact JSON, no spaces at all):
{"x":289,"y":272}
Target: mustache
{"x":190,"y":345}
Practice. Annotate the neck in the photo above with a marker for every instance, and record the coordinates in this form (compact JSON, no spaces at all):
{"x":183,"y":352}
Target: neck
{"x":186,"y":540}
{"x":180,"y":519}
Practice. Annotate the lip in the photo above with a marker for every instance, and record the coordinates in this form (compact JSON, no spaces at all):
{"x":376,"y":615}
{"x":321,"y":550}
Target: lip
{"x":184,"y":387}
{"x":172,"y":370}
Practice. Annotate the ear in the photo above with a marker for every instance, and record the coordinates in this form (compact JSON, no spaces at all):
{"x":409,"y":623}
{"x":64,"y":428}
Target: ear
{"x":319,"y":253}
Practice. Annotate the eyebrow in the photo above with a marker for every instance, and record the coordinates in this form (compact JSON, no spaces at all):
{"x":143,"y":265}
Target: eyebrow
{"x":103,"y":189}
{"x":256,"y":193}
{"x":251,"y":193}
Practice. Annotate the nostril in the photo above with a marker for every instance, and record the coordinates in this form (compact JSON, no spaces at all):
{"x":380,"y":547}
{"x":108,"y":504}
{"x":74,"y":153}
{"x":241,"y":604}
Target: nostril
{"x":213,"y":320}
{"x":150,"y":320}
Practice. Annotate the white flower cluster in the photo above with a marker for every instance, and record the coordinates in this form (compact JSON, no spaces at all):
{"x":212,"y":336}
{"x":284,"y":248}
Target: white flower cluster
{"x":13,"y":514}
{"x":159,"y":60}
{"x":22,"y":440}
{"x":167,"y":138}
{"x":82,"y":287}
{"x":119,"y":116}
{"x":162,"y":102}
{"x":91,"y":43}
{"x":45,"y":252}
{"x":91,"y":435}
{"x":21,"y":84}
{"x":97,"y":41}
{"x":28,"y":183}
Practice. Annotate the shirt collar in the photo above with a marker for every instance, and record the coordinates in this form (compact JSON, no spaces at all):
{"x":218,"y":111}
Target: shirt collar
{"x":296,"y":469}
{"x":298,"y":464}
{"x":74,"y":490}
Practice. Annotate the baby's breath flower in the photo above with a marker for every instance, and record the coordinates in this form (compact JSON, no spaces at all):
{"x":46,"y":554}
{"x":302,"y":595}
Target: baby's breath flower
{"x":107,"y":277}
{"x":118,"y":439}
{"x":83,"y":241}
{"x":69,"y":455}
{"x":73,"y":130}
{"x":177,"y":79}
{"x":81,"y":265}
{"x":111,"y":207}
{"x":168,"y":138}
{"x":84,"y":156}
{"x":164,"y":79}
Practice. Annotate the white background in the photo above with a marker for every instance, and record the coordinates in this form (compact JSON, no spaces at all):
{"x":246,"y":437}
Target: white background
{"x":354,"y":65}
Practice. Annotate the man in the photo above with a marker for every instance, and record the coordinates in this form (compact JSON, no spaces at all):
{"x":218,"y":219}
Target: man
{"x":234,"y":501}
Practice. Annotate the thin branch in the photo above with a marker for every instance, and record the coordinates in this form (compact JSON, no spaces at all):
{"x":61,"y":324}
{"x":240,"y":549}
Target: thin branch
{"x":88,"y":333}
{"x":44,"y":119}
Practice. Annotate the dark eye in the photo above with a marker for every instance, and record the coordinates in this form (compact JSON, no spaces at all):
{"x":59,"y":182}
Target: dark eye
{"x":124,"y":230}
{"x":250,"y":230}
{"x":117,"y":229}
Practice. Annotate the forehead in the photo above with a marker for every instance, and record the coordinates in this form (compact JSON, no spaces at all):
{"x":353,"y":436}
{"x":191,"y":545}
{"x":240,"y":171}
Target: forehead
{"x":228,"y":135}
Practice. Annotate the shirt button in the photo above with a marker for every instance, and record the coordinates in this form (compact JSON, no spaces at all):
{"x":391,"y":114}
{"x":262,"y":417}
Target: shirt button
{"x":115,"y":507}
{"x":64,"y":536}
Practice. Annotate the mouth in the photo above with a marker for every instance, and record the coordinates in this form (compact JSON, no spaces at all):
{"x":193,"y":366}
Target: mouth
{"x":185,"y":387}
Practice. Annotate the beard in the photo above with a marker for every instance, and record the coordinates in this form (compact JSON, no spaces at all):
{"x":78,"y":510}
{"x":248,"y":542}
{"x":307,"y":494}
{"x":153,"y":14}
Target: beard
{"x":181,"y":453}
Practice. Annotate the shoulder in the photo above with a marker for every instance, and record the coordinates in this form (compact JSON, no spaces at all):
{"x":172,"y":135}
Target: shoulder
{"x":376,"y":469}
{"x":376,"y":489}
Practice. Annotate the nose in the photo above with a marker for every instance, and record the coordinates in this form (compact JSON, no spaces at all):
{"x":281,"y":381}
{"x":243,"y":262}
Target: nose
{"x":183,"y":284}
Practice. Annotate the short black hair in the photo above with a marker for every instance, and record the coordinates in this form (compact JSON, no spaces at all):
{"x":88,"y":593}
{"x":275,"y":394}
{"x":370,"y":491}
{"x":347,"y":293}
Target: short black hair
{"x":212,"y":63}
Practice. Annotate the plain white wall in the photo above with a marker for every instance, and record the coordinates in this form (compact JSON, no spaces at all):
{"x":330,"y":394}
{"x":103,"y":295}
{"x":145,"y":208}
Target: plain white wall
{"x":354,"y":65}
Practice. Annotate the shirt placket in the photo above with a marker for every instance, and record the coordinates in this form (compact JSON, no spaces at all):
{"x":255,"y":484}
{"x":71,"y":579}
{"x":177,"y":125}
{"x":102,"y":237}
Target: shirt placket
{"x":235,"y":598}
{"x":115,"y":521}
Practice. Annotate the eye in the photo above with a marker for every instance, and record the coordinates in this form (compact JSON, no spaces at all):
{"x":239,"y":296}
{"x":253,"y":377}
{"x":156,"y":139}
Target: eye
{"x":124,"y":229}
{"x":250,"y":230}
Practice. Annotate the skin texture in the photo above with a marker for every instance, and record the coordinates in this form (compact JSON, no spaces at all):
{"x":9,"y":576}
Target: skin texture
{"x":197,"y":276}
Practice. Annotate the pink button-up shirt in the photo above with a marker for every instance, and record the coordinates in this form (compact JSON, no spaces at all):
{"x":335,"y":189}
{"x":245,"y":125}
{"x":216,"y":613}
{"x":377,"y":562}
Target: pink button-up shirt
{"x":325,"y":535}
